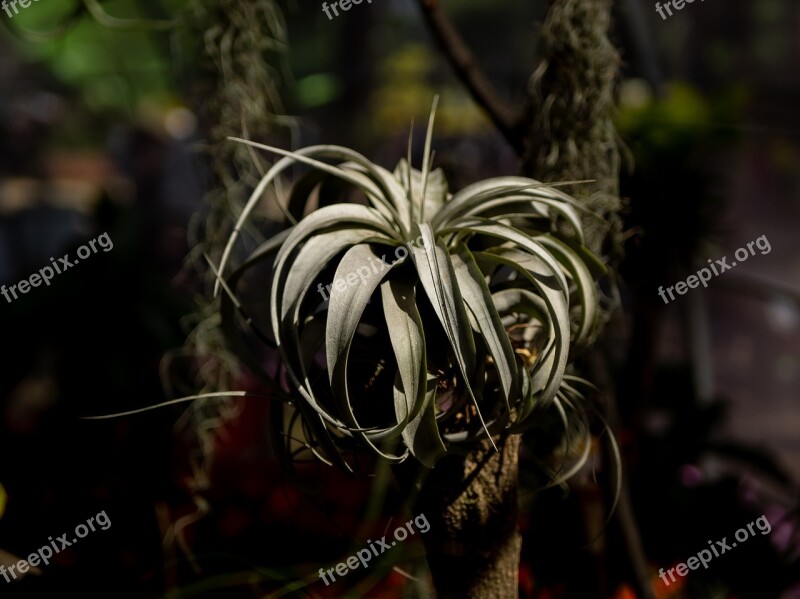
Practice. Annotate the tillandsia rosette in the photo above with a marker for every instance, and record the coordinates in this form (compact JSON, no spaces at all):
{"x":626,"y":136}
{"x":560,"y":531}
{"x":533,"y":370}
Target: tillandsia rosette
{"x":468,"y":331}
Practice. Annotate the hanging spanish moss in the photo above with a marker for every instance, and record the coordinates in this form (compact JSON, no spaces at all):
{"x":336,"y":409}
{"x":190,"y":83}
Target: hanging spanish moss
{"x":572,"y":135}
{"x":242,"y":54}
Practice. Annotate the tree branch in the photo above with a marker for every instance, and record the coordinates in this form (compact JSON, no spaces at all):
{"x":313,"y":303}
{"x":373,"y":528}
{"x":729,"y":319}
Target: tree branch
{"x":469,"y":71}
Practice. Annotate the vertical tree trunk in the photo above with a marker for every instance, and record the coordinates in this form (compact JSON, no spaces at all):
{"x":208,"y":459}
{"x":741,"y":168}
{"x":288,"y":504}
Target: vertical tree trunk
{"x":571,"y":135}
{"x":473,"y":545}
{"x":471,"y":501}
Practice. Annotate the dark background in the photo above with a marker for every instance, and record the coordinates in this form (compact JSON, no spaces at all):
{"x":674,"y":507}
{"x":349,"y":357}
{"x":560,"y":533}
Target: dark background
{"x":102,"y":131}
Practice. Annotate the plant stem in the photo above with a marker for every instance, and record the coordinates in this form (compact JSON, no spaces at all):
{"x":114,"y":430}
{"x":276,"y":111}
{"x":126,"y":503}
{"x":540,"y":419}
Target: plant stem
{"x":471,"y":502}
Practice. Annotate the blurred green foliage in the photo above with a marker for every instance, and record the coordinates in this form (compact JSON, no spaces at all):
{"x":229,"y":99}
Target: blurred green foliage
{"x":115,"y":70}
{"x":679,"y":121}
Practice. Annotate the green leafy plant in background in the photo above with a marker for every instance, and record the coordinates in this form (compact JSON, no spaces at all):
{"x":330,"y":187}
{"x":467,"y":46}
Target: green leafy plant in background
{"x":477,"y":319}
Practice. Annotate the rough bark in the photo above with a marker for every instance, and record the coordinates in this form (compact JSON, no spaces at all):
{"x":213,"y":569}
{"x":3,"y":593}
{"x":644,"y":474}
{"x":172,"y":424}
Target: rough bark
{"x":473,"y":545}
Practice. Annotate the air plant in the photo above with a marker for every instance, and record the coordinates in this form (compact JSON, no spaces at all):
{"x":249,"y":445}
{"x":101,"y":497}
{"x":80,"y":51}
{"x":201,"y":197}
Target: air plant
{"x":465,"y":337}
